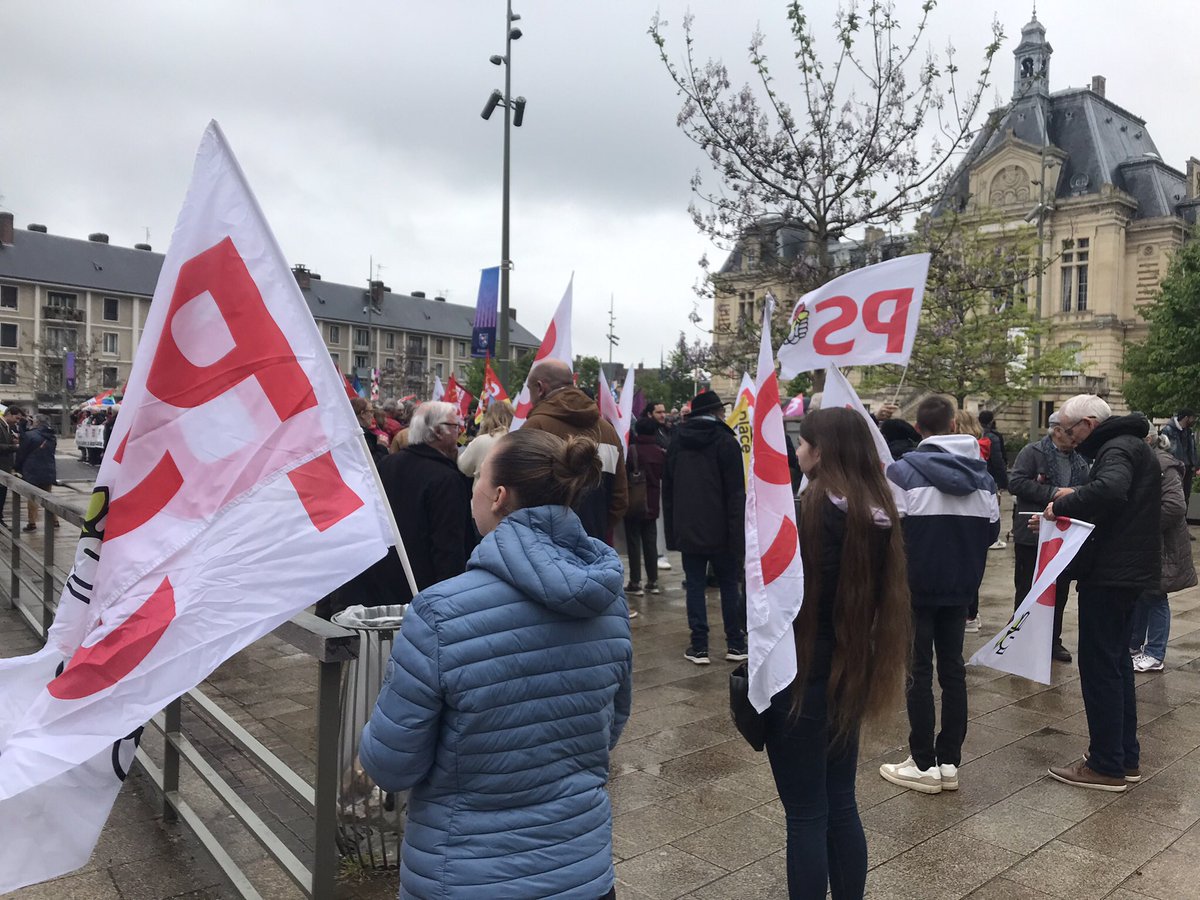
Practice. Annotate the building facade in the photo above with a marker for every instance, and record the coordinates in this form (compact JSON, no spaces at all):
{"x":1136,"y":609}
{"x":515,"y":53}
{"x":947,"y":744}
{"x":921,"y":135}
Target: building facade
{"x":90,"y":297}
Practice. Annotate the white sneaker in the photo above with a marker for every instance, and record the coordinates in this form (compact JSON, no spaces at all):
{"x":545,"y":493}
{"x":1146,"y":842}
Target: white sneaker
{"x":949,"y":776}
{"x":1145,"y":663}
{"x":973,"y":625}
{"x":999,"y":545}
{"x":907,"y":775}
{"x":663,"y":563}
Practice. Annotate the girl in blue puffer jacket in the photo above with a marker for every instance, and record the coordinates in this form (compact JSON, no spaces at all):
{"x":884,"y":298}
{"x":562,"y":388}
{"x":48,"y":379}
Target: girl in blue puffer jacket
{"x":507,"y":688}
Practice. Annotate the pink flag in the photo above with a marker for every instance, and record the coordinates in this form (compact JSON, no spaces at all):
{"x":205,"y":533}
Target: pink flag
{"x":794,"y":408}
{"x":608,"y":406}
{"x":237,"y":490}
{"x":555,"y":345}
{"x":1024,"y":645}
{"x":774,"y":571}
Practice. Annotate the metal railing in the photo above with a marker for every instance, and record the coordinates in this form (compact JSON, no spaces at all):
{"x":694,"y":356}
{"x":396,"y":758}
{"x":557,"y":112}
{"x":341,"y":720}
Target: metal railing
{"x":34,"y":584}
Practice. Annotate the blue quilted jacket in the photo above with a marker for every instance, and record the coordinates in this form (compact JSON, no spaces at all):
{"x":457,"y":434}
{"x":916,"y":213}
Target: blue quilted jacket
{"x":507,"y":688}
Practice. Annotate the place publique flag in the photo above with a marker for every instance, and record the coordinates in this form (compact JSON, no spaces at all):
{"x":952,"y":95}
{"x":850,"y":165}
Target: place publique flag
{"x":1024,"y":646}
{"x":741,"y":420}
{"x":237,"y":491}
{"x":774,"y":570}
{"x":555,"y":345}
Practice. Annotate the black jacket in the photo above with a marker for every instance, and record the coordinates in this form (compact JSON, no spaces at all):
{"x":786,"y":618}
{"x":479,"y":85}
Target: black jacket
{"x":1183,"y":444}
{"x":704,"y":489}
{"x":1033,"y":481}
{"x":1122,"y":498}
{"x":35,"y":457}
{"x":431,"y":501}
{"x":997,"y":463}
{"x":8,"y":448}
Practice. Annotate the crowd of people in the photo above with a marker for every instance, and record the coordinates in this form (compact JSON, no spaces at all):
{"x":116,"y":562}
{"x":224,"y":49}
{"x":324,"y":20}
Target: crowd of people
{"x":511,"y":678}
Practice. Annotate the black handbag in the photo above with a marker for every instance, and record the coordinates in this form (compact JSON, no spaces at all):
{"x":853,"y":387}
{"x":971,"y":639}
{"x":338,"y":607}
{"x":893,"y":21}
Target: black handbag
{"x":636,"y":482}
{"x":750,"y":723}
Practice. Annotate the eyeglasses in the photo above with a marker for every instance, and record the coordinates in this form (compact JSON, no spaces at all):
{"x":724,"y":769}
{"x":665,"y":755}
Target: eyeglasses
{"x":1070,"y":429}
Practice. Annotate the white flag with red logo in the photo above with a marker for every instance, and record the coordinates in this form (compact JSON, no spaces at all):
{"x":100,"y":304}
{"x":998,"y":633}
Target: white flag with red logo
{"x":555,"y":345}
{"x":774,"y":571}
{"x":1024,"y":645}
{"x":237,"y":491}
{"x":864,"y":317}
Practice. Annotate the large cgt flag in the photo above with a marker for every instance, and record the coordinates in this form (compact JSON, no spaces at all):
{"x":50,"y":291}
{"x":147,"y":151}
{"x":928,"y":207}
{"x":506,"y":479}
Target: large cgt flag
{"x":774,"y":571}
{"x":238,"y":491}
{"x":555,"y":345}
{"x":460,"y":397}
{"x":1023,"y":647}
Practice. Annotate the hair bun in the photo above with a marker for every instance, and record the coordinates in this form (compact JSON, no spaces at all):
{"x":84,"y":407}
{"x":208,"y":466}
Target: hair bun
{"x":578,"y":464}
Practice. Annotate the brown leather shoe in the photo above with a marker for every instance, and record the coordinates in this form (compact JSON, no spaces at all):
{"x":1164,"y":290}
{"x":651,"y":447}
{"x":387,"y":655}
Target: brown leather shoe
{"x":1132,"y":776}
{"x":1080,"y":775}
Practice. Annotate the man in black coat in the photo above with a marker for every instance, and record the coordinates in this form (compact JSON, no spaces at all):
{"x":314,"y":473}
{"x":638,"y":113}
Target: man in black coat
{"x":8,"y":450}
{"x":1183,"y":446}
{"x":704,"y":510}
{"x":1120,"y":560}
{"x":430,"y":499}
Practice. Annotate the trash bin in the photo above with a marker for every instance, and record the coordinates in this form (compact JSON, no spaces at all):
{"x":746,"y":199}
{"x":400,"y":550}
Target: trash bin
{"x":370,"y":822}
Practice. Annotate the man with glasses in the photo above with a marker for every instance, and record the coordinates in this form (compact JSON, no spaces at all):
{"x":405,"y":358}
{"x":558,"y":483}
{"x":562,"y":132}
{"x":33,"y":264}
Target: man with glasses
{"x":1120,"y":560}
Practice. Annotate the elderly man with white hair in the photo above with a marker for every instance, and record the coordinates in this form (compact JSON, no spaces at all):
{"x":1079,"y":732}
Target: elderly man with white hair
{"x":1120,"y":560}
{"x":431,"y":500}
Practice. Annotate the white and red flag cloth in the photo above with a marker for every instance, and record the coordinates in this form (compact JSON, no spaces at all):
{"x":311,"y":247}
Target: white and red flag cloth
{"x":555,"y":345}
{"x":864,"y":317}
{"x":1024,"y":646}
{"x":625,"y":407}
{"x":459,"y":396}
{"x":439,"y":389}
{"x":840,"y":392}
{"x":774,"y":571}
{"x":609,"y":411}
{"x":237,"y":491}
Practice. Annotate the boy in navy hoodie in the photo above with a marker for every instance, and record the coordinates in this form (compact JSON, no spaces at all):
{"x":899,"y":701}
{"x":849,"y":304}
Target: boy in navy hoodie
{"x":953,"y":516}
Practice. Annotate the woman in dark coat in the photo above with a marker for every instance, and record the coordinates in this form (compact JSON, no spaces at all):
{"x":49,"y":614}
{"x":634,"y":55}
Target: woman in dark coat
{"x":35,"y":462}
{"x":646,"y":456}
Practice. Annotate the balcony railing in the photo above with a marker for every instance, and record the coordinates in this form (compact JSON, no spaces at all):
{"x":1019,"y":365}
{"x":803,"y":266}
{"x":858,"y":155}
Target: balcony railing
{"x":63,"y":313}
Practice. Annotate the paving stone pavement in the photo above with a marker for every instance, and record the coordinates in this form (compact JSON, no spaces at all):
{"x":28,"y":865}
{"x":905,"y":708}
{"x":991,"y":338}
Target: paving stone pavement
{"x":696,"y":814}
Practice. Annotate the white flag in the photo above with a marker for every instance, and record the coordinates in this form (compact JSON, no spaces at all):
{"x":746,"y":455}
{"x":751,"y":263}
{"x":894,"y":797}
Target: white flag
{"x":840,"y":392}
{"x":555,"y":345}
{"x":625,"y":408}
{"x":864,"y":317}
{"x":237,"y":491}
{"x":1023,"y":646}
{"x":774,"y":570}
{"x":439,"y":389}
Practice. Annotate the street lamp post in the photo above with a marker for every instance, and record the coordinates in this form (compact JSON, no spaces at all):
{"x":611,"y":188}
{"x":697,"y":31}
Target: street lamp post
{"x":514,"y":113}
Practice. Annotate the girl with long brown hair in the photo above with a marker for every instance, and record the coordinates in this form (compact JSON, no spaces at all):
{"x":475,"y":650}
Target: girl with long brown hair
{"x":852,"y":641}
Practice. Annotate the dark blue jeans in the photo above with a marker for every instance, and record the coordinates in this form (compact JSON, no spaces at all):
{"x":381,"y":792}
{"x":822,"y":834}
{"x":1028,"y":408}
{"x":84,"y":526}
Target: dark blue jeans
{"x":733,"y":610}
{"x":1151,"y":625}
{"x":937,"y":632}
{"x":826,"y":846}
{"x":1106,"y":678}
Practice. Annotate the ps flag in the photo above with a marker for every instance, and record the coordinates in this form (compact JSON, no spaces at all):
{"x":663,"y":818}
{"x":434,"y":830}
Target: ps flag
{"x":237,"y":491}
{"x":1023,"y":646}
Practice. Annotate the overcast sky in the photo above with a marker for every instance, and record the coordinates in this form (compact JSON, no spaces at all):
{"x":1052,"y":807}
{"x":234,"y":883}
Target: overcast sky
{"x":358,"y":126}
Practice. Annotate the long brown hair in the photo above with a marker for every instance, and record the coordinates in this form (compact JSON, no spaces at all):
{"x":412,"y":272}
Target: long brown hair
{"x":873,"y":616}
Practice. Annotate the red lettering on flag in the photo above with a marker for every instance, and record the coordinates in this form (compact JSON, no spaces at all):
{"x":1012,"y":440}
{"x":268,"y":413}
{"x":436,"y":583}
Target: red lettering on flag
{"x":781,"y":552}
{"x":100,"y":666}
{"x":897,"y":325}
{"x":134,"y":509}
{"x":845,"y":318}
{"x":260,"y":349}
{"x":325,"y":496}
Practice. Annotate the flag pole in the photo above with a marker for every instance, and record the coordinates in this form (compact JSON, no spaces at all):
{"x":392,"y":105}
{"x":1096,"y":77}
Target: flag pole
{"x":900,"y":386}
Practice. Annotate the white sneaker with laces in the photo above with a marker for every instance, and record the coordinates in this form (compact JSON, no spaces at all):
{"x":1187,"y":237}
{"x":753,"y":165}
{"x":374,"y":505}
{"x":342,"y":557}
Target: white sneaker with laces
{"x":663,"y":563}
{"x":999,"y":545}
{"x":1146,"y":663}
{"x":973,"y":625}
{"x":907,"y":775}
{"x":949,"y":776}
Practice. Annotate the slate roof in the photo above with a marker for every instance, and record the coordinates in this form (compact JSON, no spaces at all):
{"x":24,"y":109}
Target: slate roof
{"x":90,"y":265}
{"x":1104,"y":143}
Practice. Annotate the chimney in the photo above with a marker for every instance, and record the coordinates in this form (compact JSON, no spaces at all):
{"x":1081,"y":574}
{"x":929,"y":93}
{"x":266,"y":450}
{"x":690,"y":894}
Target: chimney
{"x":98,"y":237}
{"x":420,"y":295}
{"x":377,"y":290}
{"x":1193,"y":178}
{"x":6,"y":228}
{"x":512,"y":313}
{"x":303,"y":278}
{"x":1098,"y":85}
{"x":40,"y":229}
{"x":440,"y":299}
{"x":145,"y":247}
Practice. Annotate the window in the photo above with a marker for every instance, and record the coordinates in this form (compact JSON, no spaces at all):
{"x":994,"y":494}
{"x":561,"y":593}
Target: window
{"x":439,"y":347}
{"x":439,"y":370}
{"x":8,"y":296}
{"x":1075,"y":275}
{"x":1072,"y":367}
{"x":54,"y":376}
{"x":8,"y":372}
{"x":335,"y":334}
{"x":8,"y":335}
{"x":389,"y":341}
{"x":389,"y":365}
{"x":111,"y":344}
{"x":416,"y":346}
{"x":112,"y":309}
{"x":59,"y":339}
{"x":462,"y":348}
{"x":416,"y":367}
{"x":337,"y":362}
{"x":108,"y":377}
{"x":362,"y":337}
{"x":62,"y":301}
{"x":360,"y":360}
